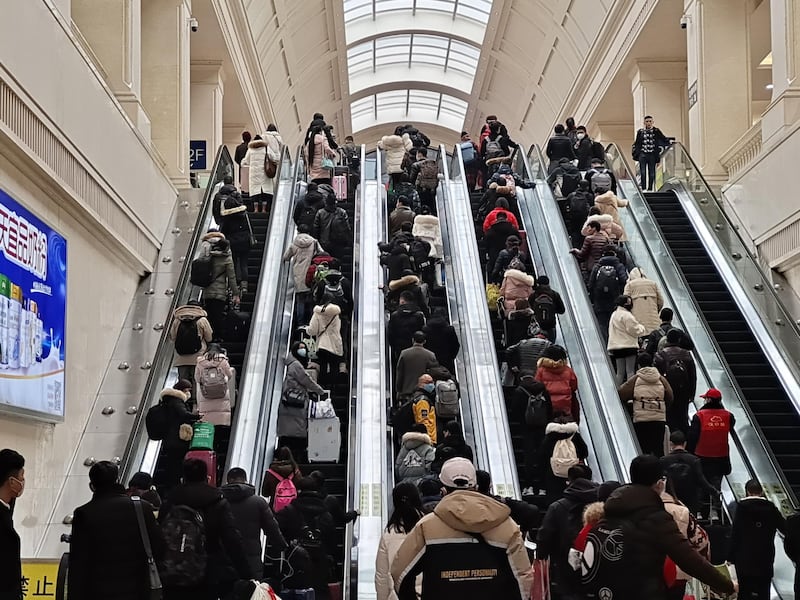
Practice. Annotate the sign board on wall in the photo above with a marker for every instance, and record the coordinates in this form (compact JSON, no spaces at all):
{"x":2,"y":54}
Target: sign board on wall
{"x":197,"y":155}
{"x":33,"y":304}
{"x":693,"y":94}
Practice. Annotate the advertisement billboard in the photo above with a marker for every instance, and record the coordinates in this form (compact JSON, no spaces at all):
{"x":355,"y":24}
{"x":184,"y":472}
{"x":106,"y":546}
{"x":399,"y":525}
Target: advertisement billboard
{"x":33,"y":302}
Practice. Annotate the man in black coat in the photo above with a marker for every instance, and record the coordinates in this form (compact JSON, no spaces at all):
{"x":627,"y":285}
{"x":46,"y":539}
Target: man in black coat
{"x":107,"y":558}
{"x":752,"y":549}
{"x":218,"y":203}
{"x":452,"y":445}
{"x":227,"y":560}
{"x":561,"y":525}
{"x":12,"y":484}
{"x":559,"y":146}
{"x":252,"y":515}
{"x":241,"y":150}
{"x":686,"y":473}
{"x":403,"y":322}
{"x":496,"y":236}
{"x":442,"y":341}
{"x":676,"y":364}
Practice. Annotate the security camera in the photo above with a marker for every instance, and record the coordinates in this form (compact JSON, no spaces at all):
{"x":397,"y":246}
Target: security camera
{"x":684,"y":22}
{"x":195,"y":25}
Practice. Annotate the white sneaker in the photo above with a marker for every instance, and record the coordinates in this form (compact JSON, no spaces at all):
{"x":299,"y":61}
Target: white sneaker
{"x":528,"y":491}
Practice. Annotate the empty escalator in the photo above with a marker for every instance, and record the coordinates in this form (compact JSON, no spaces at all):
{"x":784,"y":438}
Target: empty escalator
{"x":749,"y":366}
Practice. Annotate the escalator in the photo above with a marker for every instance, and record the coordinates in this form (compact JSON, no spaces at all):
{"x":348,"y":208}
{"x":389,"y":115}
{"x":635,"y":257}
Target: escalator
{"x":765,"y":395}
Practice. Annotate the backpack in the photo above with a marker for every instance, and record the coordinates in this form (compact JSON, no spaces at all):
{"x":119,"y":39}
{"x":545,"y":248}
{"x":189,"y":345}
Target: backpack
{"x":324,"y":260}
{"x":606,"y":285}
{"x":578,"y":207}
{"x":601,"y":182}
{"x":447,"y":399}
{"x":413,"y":465}
{"x":677,"y":373}
{"x":468,"y":153}
{"x":187,"y":337}
{"x":185,"y":557}
{"x":285,"y":491}
{"x":493,"y":148}
{"x":340,"y":227}
{"x":428,"y":178}
{"x":605,"y":569}
{"x":157,"y":422}
{"x":202,"y":271}
{"x":544,"y":310}
{"x":213,"y":383}
{"x":565,"y":455}
{"x":536,"y":410}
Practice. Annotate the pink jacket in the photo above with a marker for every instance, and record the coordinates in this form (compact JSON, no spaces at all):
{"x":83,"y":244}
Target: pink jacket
{"x":321,"y":148}
{"x":516,"y":285}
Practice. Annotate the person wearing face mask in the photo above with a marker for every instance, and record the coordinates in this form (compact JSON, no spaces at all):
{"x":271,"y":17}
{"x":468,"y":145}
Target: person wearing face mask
{"x":12,"y":484}
{"x":583,"y":148}
{"x":650,"y":535}
{"x":413,"y":363}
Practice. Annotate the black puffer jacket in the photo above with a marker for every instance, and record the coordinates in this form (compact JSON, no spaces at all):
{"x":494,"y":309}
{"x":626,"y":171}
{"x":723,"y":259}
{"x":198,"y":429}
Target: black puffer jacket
{"x":442,"y":340}
{"x":396,"y":262}
{"x":307,"y":209}
{"x":406,"y":320}
{"x":651,"y":537}
{"x":317,"y":511}
{"x":752,"y":547}
{"x":452,"y":446}
{"x":219,"y":198}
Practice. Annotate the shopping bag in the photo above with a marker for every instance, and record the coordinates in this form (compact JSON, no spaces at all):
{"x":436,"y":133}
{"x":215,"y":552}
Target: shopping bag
{"x":540,"y":590}
{"x":729,"y":572}
{"x":203,"y":438}
{"x":321,"y":409}
{"x":492,"y":296}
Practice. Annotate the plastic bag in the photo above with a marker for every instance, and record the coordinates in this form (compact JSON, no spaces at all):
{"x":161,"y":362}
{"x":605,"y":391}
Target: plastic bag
{"x":540,"y":590}
{"x":263,"y":591}
{"x":321,"y":409}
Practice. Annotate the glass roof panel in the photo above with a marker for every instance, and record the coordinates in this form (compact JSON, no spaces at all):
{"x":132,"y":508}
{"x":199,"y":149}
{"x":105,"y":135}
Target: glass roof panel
{"x":408,"y":105}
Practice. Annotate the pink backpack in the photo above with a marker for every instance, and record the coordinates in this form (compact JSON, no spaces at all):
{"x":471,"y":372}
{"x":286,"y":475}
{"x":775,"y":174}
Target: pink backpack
{"x":285,"y":491}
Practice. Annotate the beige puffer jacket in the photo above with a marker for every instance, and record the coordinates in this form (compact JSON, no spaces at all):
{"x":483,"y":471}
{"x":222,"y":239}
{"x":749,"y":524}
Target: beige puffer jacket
{"x":396,"y":148}
{"x":650,"y":394}
{"x":326,"y":327}
{"x":387,"y":549}
{"x":606,"y":222}
{"x":184,"y":312}
{"x":216,"y":411}
{"x":624,"y":330}
{"x":608,"y":203}
{"x":516,"y":285}
{"x":647,"y":299}
{"x":303,"y":249}
{"x":426,"y":227}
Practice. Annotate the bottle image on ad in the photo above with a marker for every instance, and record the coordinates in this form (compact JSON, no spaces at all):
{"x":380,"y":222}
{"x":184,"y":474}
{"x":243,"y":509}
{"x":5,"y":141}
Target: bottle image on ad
{"x":5,"y":293}
{"x":25,"y":335}
{"x":14,"y":318}
{"x":37,"y":328}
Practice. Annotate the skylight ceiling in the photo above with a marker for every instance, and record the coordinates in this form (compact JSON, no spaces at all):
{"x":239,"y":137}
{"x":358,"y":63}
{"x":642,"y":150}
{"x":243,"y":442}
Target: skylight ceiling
{"x":397,"y":48}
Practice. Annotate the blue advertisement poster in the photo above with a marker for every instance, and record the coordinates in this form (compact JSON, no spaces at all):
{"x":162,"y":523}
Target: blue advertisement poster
{"x":33,"y":302}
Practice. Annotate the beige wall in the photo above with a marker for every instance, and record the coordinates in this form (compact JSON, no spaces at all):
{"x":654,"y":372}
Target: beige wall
{"x":99,"y":290}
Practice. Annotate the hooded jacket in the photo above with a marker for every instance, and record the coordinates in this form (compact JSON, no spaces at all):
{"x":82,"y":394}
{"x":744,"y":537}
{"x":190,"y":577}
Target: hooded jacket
{"x":647,"y":299}
{"x":422,"y":445}
{"x":175,"y":402}
{"x":600,"y":299}
{"x":303,"y":249}
{"x":451,"y":446}
{"x":624,"y":330}
{"x":403,"y":322}
{"x":426,"y":228}
{"x":227,"y":560}
{"x":223,"y":273}
{"x":517,"y":325}
{"x":323,"y":221}
{"x":322,"y":149}
{"x":752,"y":548}
{"x":326,"y":327}
{"x":257,"y":151}
{"x":189,"y":312}
{"x":395,"y":148}
{"x":491,"y":218}
{"x":293,"y":422}
{"x":560,"y":431}
{"x":217,"y":204}
{"x":651,"y":537}
{"x":607,"y":225}
{"x":592,"y":249}
{"x":442,"y":340}
{"x":235,"y":224}
{"x":468,"y":547}
{"x":561,"y":383}
{"x":401,"y":214}
{"x":516,"y":286}
{"x":649,"y":393}
{"x":216,"y":411}
{"x":284,"y":468}
{"x":396,"y":261}
{"x":609,"y":204}
{"x":252,"y":515}
{"x":307,"y":208}
{"x":561,"y":524}
{"x":410,"y":283}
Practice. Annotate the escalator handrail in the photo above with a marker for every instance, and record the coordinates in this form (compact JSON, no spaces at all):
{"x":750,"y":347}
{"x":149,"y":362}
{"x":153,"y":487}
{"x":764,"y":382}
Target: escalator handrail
{"x":485,"y":401}
{"x":708,"y":363}
{"x":263,"y":366}
{"x":163,"y":355}
{"x":591,"y":348}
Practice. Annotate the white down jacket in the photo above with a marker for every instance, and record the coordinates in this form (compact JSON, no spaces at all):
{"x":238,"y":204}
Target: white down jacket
{"x":396,"y":148}
{"x":426,"y":227}
{"x":303,"y":249}
{"x":326,"y":327}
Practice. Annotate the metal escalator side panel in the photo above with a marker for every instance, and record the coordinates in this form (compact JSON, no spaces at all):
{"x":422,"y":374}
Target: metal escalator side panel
{"x":494,"y":450}
{"x":614,"y":442}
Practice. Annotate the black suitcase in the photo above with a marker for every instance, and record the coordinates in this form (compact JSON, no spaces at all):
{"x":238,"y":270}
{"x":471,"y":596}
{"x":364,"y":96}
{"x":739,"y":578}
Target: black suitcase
{"x":237,"y":326}
{"x":339,"y":170}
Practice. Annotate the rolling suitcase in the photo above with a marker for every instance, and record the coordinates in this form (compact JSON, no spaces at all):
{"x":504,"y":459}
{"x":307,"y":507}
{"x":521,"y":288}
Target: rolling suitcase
{"x":340,"y":187}
{"x":324,"y":440}
{"x":210,"y":458}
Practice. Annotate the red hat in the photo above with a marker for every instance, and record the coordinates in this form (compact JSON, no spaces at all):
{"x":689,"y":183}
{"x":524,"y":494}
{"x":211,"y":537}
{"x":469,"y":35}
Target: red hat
{"x":712,"y":394}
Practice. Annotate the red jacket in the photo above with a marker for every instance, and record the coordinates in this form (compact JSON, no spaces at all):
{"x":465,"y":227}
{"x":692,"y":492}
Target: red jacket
{"x":561,"y":384}
{"x":491,"y":218}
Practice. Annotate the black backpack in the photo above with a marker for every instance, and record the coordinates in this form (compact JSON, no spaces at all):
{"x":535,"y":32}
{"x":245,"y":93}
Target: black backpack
{"x":677,"y":374}
{"x":202,"y":271}
{"x":598,"y":151}
{"x":606,"y":570}
{"x":340,"y":227}
{"x":187,"y":338}
{"x":578,"y":207}
{"x":185,"y":557}
{"x":606,"y":286}
{"x":536,"y":409}
{"x":156,"y":421}
{"x":544,"y":310}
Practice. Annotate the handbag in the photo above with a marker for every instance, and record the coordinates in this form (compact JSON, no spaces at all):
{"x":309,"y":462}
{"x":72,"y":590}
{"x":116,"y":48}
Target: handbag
{"x":327,"y":163}
{"x":294,"y":398}
{"x":154,"y":582}
{"x":250,"y":229}
{"x":270,"y":166}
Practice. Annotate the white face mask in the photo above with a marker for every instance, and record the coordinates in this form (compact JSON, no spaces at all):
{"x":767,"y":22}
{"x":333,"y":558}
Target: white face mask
{"x":581,"y":136}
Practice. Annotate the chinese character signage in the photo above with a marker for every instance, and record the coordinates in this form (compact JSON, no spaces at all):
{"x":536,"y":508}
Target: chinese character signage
{"x":39,"y":578}
{"x":33,"y":300}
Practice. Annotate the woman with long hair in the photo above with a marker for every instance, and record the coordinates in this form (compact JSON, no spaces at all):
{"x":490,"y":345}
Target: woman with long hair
{"x":407,"y":512}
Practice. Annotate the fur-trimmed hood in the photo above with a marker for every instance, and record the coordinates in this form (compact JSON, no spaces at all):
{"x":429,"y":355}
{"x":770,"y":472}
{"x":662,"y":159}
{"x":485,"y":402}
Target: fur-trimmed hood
{"x":405,"y":281}
{"x":213,"y":236}
{"x":601,"y":218}
{"x":519,"y":277}
{"x":649,"y":375}
{"x":173,"y":393}
{"x":257,"y":144}
{"x":413,"y":440}
{"x":330,"y":311}
{"x":562,"y":428}
{"x":549,"y":363}
{"x":428,"y":220}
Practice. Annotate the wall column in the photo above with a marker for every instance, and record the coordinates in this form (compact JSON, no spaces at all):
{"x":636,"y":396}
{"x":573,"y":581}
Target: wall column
{"x":207,"y":92}
{"x":784,"y":109}
{"x":114,"y":32}
{"x":621,"y":133}
{"x":718,"y":65}
{"x":659,"y":89}
{"x":165,"y":81}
